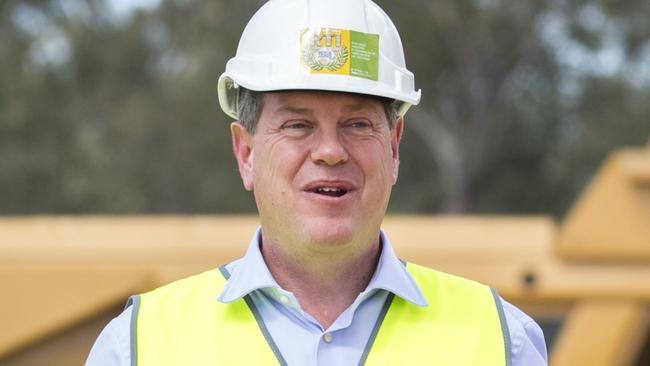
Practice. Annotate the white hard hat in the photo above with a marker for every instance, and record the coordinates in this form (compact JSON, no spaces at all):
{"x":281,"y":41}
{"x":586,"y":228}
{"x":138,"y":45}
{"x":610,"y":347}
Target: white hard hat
{"x":338,"y":45}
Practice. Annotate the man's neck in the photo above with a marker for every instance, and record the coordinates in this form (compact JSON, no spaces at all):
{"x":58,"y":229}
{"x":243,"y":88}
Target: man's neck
{"x":324,"y":284}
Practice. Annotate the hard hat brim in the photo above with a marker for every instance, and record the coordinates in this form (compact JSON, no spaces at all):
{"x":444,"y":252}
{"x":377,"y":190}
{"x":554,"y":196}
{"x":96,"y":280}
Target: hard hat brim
{"x":228,"y":90}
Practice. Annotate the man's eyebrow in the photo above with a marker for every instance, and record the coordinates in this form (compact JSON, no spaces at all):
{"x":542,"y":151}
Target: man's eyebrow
{"x":356,"y":107}
{"x":293,"y":110}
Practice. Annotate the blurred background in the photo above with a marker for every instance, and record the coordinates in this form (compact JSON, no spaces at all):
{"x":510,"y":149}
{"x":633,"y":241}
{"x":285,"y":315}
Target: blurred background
{"x":109,"y":107}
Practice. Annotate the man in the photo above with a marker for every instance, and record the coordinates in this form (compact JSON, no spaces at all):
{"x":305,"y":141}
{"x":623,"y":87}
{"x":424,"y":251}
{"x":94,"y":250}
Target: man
{"x":319,"y":89}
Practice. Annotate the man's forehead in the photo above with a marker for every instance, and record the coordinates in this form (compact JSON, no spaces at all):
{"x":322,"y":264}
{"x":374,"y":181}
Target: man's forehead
{"x":303,"y":101}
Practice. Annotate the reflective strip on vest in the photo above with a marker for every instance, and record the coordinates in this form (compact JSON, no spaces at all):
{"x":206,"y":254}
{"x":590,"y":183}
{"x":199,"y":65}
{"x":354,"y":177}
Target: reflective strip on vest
{"x":183,"y":324}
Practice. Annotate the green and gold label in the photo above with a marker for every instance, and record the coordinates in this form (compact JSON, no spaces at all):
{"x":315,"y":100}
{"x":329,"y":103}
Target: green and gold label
{"x":339,"y":52}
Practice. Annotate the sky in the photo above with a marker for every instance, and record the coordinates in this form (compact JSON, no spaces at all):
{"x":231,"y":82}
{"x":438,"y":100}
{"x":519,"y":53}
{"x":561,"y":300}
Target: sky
{"x":123,"y":8}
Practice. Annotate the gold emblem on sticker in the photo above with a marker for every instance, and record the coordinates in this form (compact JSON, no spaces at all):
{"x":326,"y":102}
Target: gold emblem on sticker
{"x":325,"y":51}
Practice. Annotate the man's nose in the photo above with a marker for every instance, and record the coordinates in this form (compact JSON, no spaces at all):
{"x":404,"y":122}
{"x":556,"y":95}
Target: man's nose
{"x":328,"y":148}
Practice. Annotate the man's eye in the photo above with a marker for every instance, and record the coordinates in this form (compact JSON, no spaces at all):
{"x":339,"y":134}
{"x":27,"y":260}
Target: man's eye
{"x":359,"y":124}
{"x":296,"y":125}
{"x":297,"y":128}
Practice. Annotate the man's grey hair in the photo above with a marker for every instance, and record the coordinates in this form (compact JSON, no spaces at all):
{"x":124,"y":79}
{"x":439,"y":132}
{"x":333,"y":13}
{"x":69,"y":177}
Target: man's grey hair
{"x":250,"y":103}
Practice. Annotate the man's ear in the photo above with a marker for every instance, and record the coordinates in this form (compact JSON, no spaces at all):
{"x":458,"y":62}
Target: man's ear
{"x":242,"y":147}
{"x":395,"y":139}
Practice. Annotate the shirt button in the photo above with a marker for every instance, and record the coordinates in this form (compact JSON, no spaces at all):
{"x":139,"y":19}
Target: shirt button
{"x":327,"y":337}
{"x":284,"y":299}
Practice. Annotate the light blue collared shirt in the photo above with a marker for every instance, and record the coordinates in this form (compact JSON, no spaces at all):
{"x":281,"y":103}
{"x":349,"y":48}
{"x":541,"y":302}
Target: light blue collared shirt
{"x":299,"y":337}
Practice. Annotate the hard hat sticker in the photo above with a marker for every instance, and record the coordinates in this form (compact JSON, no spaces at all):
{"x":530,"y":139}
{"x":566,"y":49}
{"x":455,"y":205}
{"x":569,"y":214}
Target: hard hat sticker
{"x":339,"y":52}
{"x":364,"y":55}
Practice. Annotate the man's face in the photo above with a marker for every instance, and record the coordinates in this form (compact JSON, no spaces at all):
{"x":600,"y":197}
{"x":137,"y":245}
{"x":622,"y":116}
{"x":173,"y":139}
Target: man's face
{"x":321,"y":166}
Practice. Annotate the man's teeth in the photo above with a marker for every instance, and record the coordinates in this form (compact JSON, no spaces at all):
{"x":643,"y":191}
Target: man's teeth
{"x":331,"y":191}
{"x":328,"y":189}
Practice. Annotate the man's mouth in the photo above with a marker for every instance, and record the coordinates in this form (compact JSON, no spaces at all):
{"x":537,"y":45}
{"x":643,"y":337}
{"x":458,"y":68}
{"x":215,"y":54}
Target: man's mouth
{"x":329,"y":188}
{"x":330,"y":191}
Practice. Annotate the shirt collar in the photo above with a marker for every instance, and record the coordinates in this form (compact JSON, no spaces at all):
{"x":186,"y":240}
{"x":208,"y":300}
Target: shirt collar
{"x":391,"y":275}
{"x":250,"y":273}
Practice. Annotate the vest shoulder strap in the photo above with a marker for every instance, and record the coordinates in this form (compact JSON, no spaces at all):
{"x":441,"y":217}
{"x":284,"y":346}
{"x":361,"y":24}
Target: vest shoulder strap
{"x":182,"y":323}
{"x":462,"y":325}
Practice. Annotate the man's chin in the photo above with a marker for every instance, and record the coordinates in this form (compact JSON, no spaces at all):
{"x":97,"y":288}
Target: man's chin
{"x":329,"y":234}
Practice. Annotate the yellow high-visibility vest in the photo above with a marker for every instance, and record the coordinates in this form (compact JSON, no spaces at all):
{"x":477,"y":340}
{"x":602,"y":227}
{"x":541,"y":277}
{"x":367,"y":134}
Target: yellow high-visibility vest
{"x":183,"y":324}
